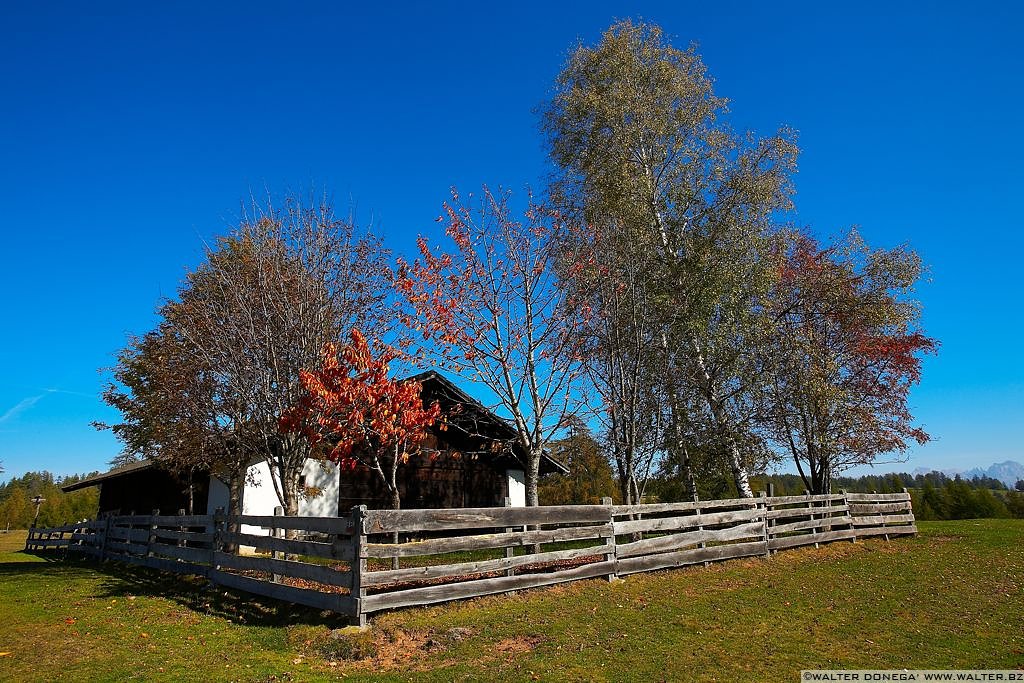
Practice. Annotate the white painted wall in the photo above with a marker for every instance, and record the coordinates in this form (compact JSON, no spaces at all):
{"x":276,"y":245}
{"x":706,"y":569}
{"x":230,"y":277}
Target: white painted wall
{"x":517,"y":488}
{"x":259,"y":497}
{"x":324,"y":476}
{"x":218,"y":497}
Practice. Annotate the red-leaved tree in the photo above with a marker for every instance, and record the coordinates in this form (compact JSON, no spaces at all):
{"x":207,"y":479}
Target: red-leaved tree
{"x":493,"y":311}
{"x":358,"y":415}
{"x":845,"y":351}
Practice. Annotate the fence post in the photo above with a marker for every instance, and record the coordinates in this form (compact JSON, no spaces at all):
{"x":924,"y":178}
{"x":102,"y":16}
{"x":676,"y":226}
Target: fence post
{"x":276,"y":533}
{"x":181,"y":529}
{"x":884,"y":536}
{"x":151,"y":540}
{"x":846,"y":504}
{"x":700,"y":527}
{"x":763,"y":495}
{"x":217,"y":544}
{"x":810,"y":506}
{"x":612,"y":555}
{"x":510,"y":551}
{"x":103,"y":541}
{"x":910,"y":504}
{"x":358,"y":563}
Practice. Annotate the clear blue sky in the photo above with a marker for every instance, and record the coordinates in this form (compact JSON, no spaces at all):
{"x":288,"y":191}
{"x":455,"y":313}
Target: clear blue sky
{"x":130,"y":133}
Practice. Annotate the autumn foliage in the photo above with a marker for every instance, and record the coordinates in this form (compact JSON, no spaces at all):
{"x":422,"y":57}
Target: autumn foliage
{"x":493,"y":310}
{"x":845,"y":354}
{"x":358,"y":414}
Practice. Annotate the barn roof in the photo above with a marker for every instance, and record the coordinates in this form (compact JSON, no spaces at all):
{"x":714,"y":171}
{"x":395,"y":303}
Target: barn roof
{"x":112,"y":474}
{"x":435,"y":387}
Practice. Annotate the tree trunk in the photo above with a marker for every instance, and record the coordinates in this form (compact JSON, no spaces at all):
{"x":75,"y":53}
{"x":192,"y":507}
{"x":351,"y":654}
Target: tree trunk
{"x":396,"y":504}
{"x":533,"y":479}
{"x":236,"y":487}
{"x":722,"y":425}
{"x":290,"y":493}
{"x":691,"y":483}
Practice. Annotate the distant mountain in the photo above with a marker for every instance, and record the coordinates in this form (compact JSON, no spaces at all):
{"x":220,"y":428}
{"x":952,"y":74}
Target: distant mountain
{"x":1009,"y":472}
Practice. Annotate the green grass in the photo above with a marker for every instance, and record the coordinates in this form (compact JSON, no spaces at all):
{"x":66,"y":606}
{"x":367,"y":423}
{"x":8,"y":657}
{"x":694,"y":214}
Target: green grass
{"x":951,"y":598}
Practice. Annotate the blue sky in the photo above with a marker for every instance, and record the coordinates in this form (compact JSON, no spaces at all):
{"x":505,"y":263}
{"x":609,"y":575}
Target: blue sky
{"x":132,"y":132}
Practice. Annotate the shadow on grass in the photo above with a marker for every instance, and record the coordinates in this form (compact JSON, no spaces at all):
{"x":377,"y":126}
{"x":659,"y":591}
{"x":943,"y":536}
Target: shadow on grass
{"x":193,"y":592}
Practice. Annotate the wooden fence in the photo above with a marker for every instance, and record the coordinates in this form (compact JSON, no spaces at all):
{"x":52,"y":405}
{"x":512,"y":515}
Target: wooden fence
{"x":352,"y":565}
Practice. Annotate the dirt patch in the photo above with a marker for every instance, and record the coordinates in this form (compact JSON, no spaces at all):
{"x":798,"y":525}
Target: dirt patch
{"x":516,"y":646}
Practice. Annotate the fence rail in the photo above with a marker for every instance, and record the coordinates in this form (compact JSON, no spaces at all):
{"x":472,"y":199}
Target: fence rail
{"x":352,"y":564}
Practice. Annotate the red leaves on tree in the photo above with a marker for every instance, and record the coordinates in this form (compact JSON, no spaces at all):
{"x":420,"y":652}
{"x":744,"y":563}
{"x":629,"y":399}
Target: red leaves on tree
{"x":353,"y":404}
{"x":847,"y":353}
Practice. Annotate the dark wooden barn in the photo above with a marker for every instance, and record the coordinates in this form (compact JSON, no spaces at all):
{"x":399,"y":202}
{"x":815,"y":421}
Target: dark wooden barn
{"x":475,"y":462}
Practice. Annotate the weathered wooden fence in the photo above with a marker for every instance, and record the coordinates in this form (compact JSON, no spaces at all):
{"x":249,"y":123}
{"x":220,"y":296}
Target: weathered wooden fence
{"x":352,"y":565}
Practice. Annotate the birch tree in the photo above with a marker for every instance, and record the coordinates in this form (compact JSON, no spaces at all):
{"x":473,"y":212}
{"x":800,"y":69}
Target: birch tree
{"x":638,"y":136}
{"x":620,"y":349}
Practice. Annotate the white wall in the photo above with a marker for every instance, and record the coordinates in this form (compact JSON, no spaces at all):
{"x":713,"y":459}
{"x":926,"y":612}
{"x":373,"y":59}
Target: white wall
{"x":259,"y":497}
{"x":218,"y":497}
{"x":517,"y":488}
{"x":324,"y":476}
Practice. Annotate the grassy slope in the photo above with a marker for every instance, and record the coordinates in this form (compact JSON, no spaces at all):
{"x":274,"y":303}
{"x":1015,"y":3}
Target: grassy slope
{"x":951,"y":598}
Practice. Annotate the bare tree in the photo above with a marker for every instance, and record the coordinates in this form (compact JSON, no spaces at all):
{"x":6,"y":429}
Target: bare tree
{"x":269,"y":296}
{"x":493,"y":310}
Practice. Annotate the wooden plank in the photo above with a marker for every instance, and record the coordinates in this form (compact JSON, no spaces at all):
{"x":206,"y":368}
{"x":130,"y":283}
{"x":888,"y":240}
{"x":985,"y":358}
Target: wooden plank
{"x":85,"y":539}
{"x":716,"y":553}
{"x":189,"y":536}
{"x":657,"y":508}
{"x":389,"y":521}
{"x":480,"y":567}
{"x":299,"y":570}
{"x":439,"y":546}
{"x":197,"y":555}
{"x":132,"y":535}
{"x":128,"y":548}
{"x":684,"y":522}
{"x":469,"y":589}
{"x":880,"y":508}
{"x":811,"y":539}
{"x":678,"y":541}
{"x":322,"y":525}
{"x":173,"y":566}
{"x":86,"y":550}
{"x":827,"y":522}
{"x":786,"y":513}
{"x":181,"y":520}
{"x":338,"y":550}
{"x":58,"y":529}
{"x":776,"y":501}
{"x":879,"y":521}
{"x":131,"y":520}
{"x":890,"y":530}
{"x":877,"y":497}
{"x":335,"y":602}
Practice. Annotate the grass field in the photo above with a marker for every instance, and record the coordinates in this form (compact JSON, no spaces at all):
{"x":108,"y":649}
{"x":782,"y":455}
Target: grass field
{"x":951,"y":598}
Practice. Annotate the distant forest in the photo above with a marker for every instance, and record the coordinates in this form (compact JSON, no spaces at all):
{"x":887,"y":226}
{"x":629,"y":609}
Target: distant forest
{"x":58,"y":508}
{"x":935,"y":496}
